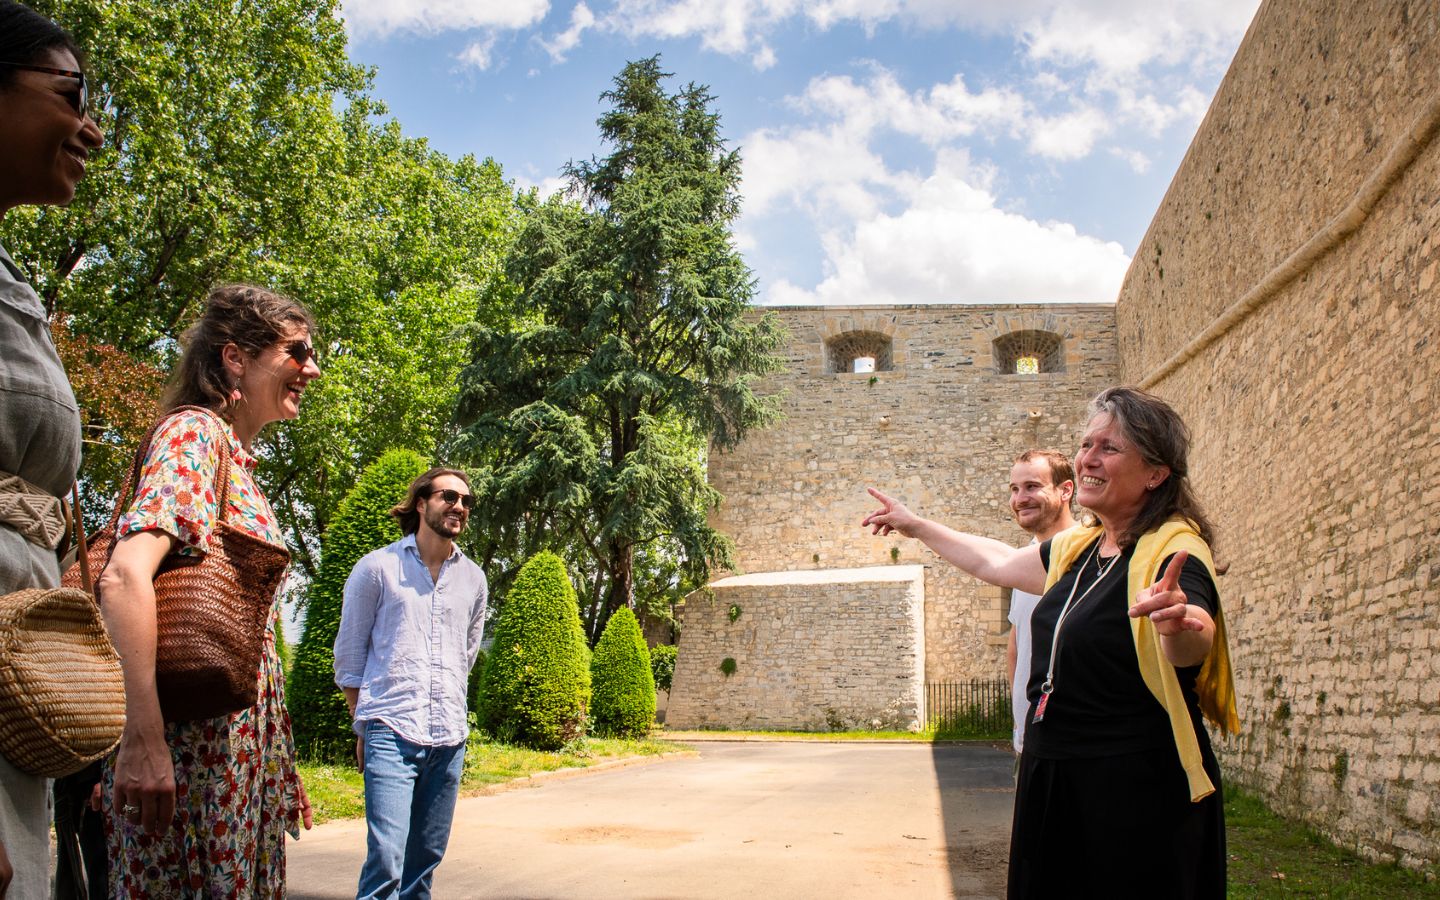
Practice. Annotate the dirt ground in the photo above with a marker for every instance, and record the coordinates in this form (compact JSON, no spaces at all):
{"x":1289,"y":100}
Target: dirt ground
{"x":745,"y":820}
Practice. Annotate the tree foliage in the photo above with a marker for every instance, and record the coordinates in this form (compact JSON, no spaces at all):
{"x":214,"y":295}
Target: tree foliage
{"x":362,"y":524}
{"x":623,"y":704}
{"x":662,"y":665}
{"x":632,"y":349}
{"x":241,"y":145}
{"x":536,"y":689}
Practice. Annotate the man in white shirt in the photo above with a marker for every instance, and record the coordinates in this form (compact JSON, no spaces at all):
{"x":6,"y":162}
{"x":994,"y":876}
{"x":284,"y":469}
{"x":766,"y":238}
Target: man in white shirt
{"x":409,"y":634}
{"x":1041,"y":485}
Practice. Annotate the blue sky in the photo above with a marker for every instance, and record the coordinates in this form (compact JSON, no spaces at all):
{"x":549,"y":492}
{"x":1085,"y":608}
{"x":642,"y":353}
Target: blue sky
{"x":895,"y":151}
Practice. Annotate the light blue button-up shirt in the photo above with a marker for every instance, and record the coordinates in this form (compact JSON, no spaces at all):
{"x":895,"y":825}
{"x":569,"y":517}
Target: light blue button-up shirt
{"x":408,"y":641}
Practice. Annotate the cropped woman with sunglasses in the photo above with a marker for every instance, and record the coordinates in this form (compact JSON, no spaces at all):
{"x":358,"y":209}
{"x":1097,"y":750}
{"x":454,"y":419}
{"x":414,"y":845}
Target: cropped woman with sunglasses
{"x":47,"y":140}
{"x":201,"y":808}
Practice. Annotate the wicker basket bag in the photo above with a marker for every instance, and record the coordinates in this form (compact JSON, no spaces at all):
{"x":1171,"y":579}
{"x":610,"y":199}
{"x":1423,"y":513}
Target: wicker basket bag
{"x":62,"y":693}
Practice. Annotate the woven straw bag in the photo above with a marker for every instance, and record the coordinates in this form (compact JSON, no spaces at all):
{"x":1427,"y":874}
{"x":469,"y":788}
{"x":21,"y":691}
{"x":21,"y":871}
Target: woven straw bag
{"x":211,"y":611}
{"x":62,"y":691}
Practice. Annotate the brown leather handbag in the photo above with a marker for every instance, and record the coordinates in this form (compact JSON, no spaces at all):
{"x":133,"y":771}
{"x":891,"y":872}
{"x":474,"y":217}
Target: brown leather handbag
{"x":211,"y":611}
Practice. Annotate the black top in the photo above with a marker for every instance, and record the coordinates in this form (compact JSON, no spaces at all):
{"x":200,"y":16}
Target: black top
{"x":1100,"y":705}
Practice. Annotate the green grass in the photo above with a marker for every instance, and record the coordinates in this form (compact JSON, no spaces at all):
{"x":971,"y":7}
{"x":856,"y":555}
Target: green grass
{"x":338,"y":792}
{"x":1273,"y":857}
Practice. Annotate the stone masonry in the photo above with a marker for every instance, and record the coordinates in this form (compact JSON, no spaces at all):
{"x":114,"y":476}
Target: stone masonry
{"x":938,"y":428}
{"x":1299,"y":236}
{"x":814,"y":650}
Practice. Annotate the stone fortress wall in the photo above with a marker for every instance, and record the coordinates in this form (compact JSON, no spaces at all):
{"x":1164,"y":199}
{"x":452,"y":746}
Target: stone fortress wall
{"x":936,"y":425}
{"x":814,"y":650}
{"x":1287,"y":299}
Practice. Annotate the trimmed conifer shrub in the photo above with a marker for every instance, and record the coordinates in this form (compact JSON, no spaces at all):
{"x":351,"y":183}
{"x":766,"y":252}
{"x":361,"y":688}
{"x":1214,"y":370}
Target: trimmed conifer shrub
{"x":536,"y":689}
{"x":624,"y":700}
{"x":475,"y":684}
{"x":362,"y":523}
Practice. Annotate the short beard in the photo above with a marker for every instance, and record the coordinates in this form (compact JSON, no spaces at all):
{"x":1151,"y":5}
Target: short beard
{"x":1049,"y":516}
{"x":436,"y":520}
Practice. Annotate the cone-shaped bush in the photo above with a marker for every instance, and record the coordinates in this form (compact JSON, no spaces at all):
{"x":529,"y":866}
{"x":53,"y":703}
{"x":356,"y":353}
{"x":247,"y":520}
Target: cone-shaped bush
{"x":537,"y":678}
{"x":361,"y":524}
{"x":624,"y":700}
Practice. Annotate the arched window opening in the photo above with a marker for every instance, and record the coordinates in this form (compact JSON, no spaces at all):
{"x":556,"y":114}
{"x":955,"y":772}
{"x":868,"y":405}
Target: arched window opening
{"x":1029,"y":353}
{"x":858,"y":351}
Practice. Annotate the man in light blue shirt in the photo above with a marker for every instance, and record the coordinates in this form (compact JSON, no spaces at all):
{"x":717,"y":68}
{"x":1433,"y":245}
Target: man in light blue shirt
{"x":409,"y":634}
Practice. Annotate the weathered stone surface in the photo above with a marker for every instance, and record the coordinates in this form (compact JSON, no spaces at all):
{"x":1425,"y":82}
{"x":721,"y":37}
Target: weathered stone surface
{"x":814,"y":650}
{"x":1314,"y":419}
{"x":939,"y":431}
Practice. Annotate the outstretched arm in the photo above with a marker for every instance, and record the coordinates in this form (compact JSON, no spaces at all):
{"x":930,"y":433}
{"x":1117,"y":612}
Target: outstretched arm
{"x":985,"y":558}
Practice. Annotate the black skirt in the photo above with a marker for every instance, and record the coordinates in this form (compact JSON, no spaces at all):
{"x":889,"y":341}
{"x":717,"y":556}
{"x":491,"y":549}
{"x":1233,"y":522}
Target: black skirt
{"x":1116,"y":826}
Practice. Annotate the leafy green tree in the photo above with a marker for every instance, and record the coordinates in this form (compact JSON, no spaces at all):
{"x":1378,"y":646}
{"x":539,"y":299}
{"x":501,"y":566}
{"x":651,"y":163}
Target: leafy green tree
{"x":226,"y":159}
{"x":624,"y":687}
{"x":536,"y":689}
{"x":632,"y":348}
{"x":362,"y":524}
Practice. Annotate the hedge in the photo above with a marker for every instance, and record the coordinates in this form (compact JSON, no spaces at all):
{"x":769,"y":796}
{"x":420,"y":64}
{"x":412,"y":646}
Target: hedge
{"x":536,"y":689}
{"x":624,"y":703}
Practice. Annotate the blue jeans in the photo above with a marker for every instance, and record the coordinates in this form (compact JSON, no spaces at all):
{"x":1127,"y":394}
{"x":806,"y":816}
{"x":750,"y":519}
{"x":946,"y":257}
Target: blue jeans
{"x":410,"y":792}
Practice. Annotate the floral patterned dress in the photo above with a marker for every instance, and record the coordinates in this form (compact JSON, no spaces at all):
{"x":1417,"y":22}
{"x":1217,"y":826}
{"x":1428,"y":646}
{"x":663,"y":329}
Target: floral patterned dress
{"x":236,"y":787}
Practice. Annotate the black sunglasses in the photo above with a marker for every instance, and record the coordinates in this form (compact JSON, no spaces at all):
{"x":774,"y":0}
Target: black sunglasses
{"x":452,"y":497}
{"x":301,"y":352}
{"x":81,"y":105}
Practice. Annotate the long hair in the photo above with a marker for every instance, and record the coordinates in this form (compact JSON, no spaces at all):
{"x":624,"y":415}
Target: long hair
{"x":405,"y":512}
{"x":252,"y":318}
{"x":1161,"y":438}
{"x":25,"y":36}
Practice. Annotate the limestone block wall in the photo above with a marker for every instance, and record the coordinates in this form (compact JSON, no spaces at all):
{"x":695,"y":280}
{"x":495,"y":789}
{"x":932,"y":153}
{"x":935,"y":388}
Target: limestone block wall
{"x":814,"y":651}
{"x":1308,"y":208}
{"x":938,"y":429}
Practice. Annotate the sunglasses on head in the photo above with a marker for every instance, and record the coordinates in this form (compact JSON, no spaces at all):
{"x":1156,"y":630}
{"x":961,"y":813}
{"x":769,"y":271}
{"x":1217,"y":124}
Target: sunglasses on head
{"x":80,"y":103}
{"x":452,"y":497}
{"x":301,"y":352}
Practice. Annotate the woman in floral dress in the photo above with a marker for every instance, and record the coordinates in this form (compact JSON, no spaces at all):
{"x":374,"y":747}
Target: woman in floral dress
{"x":201,"y":808}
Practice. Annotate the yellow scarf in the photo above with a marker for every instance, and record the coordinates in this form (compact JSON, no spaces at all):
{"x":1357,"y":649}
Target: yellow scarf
{"x":1215,"y":684}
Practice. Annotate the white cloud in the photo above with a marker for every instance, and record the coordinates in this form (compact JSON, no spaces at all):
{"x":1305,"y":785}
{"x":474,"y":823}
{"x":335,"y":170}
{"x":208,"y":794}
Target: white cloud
{"x":381,"y":18}
{"x":1139,"y":163}
{"x":1113,"y":35}
{"x":477,"y":54}
{"x":952,"y":244}
{"x":1069,"y":136}
{"x":544,"y":186}
{"x":581,"y":19}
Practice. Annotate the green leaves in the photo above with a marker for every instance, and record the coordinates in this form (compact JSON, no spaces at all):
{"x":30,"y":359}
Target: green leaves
{"x":623,"y":704}
{"x":636,"y":351}
{"x":536,"y":689}
{"x":241,"y":145}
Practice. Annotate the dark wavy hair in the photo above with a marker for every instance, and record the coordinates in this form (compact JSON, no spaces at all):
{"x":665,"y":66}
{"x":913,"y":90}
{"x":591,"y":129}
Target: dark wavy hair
{"x":25,"y":36}
{"x":406,"y":512}
{"x":253,"y":319}
{"x":1159,"y":435}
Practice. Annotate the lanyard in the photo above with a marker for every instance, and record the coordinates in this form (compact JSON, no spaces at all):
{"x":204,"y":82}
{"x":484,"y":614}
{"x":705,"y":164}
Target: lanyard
{"x":1071,"y":602}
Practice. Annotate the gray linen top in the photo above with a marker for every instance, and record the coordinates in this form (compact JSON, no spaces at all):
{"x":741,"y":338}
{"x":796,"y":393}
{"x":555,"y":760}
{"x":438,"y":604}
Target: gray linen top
{"x":39,"y":422}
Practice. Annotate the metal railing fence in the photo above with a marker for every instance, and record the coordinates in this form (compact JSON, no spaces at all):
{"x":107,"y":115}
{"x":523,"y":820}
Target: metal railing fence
{"x":978,"y":708}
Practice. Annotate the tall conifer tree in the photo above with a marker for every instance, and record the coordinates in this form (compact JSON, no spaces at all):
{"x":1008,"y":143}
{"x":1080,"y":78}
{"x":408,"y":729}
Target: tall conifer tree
{"x":637,"y":345}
